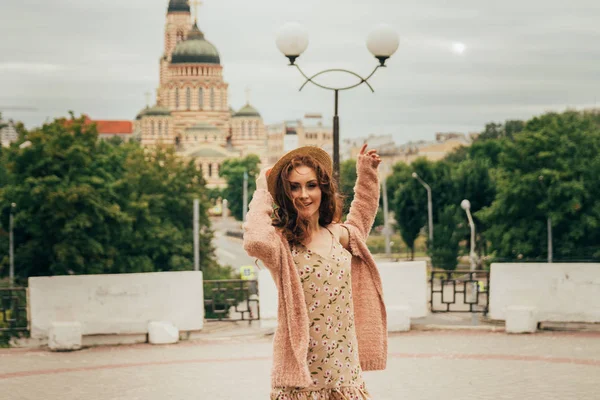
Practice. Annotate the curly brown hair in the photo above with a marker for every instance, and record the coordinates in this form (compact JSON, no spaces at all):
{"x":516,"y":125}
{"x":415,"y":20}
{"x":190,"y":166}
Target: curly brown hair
{"x":286,"y":217}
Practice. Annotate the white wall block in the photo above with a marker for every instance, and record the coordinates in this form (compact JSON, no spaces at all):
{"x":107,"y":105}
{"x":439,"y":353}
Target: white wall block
{"x":398,"y":318}
{"x":162,"y":332}
{"x":267,"y":292}
{"x":521,"y":319}
{"x":561,"y":292}
{"x":64,"y":336}
{"x":405,"y":285}
{"x":117,"y":304}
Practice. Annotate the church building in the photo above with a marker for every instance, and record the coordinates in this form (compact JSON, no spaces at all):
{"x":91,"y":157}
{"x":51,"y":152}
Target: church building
{"x":192,"y":110}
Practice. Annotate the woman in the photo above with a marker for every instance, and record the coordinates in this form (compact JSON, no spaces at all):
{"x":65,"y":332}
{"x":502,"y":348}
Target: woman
{"x":331,"y":315}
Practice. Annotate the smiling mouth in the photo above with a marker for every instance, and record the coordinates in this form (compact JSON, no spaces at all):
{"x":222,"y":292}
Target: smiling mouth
{"x":306,"y":205}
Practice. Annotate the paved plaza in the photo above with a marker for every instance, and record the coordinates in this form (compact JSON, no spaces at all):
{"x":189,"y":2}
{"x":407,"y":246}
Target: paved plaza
{"x":437,"y":364}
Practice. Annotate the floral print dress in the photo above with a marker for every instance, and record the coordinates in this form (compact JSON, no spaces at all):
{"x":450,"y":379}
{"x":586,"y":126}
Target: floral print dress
{"x":333,"y":350}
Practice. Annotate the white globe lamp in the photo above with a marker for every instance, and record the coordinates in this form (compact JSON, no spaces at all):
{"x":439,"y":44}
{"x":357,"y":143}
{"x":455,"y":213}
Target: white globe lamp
{"x":292,"y":40}
{"x":382,"y":42}
{"x":465,"y":204}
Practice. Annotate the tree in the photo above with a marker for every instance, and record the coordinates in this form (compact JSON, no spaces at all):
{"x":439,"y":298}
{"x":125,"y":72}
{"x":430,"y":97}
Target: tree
{"x":347,"y":182}
{"x":563,"y":149}
{"x":444,"y":249}
{"x":407,"y":204}
{"x":86,"y":206}
{"x":233,"y":172}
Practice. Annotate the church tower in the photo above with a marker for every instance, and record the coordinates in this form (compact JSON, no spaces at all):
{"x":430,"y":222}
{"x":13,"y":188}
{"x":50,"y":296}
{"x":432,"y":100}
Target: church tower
{"x":177,"y":26}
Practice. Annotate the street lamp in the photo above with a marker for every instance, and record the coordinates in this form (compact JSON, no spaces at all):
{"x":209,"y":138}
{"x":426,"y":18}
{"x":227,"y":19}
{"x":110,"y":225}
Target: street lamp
{"x":11,"y":249}
{"x":549,"y":224}
{"x":429,"y":206}
{"x":292,"y":41}
{"x":466,"y":205}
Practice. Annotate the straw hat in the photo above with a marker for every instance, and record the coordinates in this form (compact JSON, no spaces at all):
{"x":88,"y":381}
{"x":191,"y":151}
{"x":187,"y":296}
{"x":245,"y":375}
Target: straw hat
{"x":316,"y":152}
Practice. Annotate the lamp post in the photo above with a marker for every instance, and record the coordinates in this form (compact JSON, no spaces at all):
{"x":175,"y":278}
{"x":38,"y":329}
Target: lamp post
{"x":292,"y":41}
{"x":11,"y":250}
{"x":466,"y":205}
{"x":549,"y":228}
{"x":429,"y":205}
{"x":386,"y":226}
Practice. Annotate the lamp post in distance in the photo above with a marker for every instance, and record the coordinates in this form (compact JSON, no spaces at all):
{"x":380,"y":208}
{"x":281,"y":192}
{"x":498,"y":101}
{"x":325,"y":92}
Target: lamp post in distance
{"x":292,"y":41}
{"x":466,"y":205}
{"x":549,"y":225}
{"x":429,"y":206}
{"x":11,"y":249}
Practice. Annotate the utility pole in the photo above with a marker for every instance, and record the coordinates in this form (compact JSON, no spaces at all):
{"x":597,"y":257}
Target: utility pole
{"x":245,"y":196}
{"x":196,"y":234}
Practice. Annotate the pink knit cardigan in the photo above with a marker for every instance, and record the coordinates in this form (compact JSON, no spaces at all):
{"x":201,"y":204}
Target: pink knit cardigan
{"x":265,"y":242}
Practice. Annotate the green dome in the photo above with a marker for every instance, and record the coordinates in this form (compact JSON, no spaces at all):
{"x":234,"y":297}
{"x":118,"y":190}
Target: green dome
{"x":247,"y":111}
{"x":178,"y":5}
{"x":195,"y":49}
{"x":141,"y":113}
{"x":155,"y":111}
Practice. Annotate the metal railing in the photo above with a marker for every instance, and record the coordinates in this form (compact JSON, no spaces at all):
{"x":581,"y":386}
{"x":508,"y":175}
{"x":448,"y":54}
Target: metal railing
{"x":231,"y":300}
{"x":459,"y":291}
{"x":13,"y":310}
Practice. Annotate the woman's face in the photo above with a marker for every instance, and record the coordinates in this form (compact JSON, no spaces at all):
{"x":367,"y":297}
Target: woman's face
{"x":305,"y":187}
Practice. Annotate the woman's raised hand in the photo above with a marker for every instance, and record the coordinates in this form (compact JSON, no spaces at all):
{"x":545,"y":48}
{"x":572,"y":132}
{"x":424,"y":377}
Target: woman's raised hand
{"x":371,"y":153}
{"x":261,"y":181}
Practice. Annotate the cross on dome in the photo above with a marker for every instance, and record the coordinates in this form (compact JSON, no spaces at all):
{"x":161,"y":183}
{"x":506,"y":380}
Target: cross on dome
{"x":195,"y":3}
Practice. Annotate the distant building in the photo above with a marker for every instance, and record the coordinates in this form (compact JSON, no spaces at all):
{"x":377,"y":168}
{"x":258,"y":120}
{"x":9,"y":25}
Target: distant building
{"x":288,"y":135}
{"x":8,"y":133}
{"x":109,"y":128}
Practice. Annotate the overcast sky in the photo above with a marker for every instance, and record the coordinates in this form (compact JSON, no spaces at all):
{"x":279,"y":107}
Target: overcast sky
{"x":521,"y":58}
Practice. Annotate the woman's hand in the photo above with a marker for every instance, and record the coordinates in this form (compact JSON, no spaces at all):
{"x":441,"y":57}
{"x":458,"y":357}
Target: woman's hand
{"x":371,"y":153}
{"x":261,"y":181}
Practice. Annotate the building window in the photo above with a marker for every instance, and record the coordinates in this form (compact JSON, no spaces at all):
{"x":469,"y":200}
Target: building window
{"x":159,"y":128}
{"x":200,"y":98}
{"x":209,"y":169}
{"x":188,"y":98}
{"x":177,"y":98}
{"x":152,"y":128}
{"x":212,"y":99}
{"x":166,"y":127}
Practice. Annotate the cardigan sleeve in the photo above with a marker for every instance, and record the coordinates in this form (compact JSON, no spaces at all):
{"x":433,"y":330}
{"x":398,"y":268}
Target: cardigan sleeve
{"x":260,"y":238}
{"x":363,"y":208}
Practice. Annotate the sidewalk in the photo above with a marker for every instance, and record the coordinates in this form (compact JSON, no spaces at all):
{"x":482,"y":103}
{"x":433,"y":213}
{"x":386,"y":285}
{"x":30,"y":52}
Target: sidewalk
{"x":424,"y":365}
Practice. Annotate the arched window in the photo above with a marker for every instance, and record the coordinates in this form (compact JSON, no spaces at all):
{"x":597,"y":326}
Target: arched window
{"x":200,"y":98}
{"x":159,"y":128}
{"x":209,"y":169}
{"x":212,"y":99}
{"x":188,"y":98}
{"x":152,"y":128}
{"x":243,"y":129}
{"x":166,"y":127}
{"x":177,"y":98}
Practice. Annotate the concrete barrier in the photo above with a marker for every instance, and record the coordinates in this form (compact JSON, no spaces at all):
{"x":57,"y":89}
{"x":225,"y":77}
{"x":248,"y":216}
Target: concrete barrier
{"x":120,"y":304}
{"x":64,"y":336}
{"x":404,"y":288}
{"x":559,"y":292}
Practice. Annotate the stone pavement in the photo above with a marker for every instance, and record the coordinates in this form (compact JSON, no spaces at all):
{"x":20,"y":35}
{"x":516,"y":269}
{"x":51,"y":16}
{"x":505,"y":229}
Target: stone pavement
{"x":233,"y":362}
